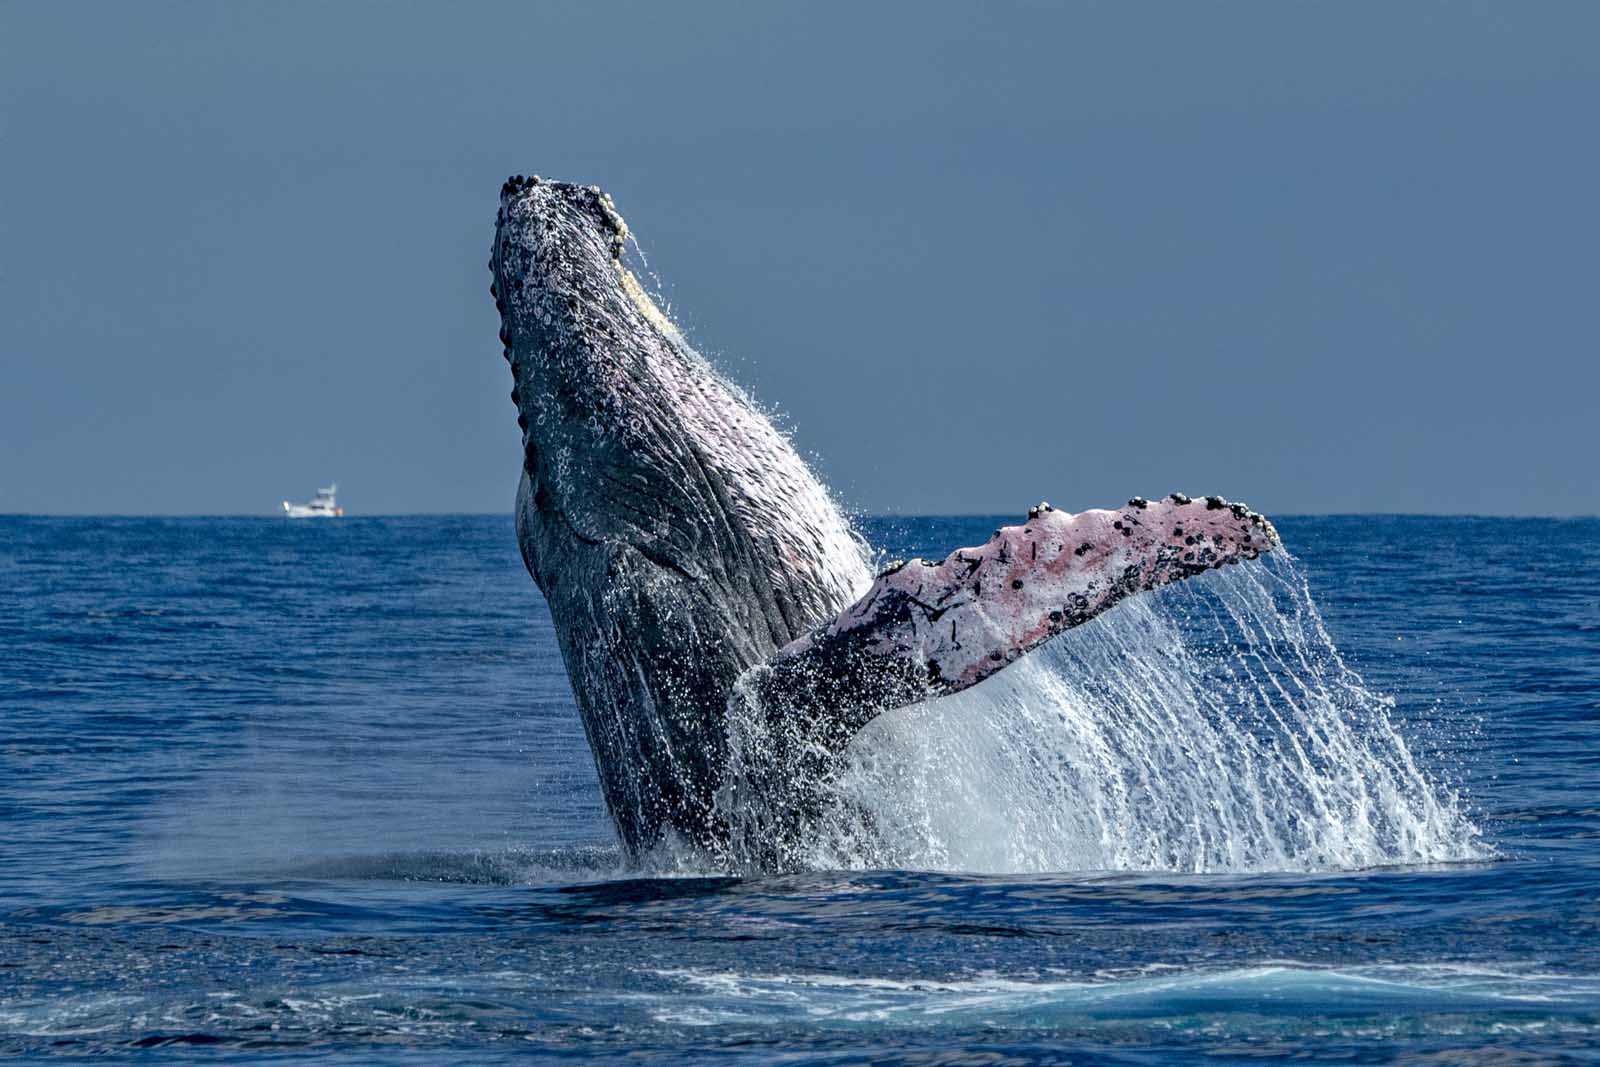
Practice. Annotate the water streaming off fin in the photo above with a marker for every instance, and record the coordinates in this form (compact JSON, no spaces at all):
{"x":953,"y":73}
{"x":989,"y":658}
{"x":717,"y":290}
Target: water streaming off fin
{"x":1212,"y":726}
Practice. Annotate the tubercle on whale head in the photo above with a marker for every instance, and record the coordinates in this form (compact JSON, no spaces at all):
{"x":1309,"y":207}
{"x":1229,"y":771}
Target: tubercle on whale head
{"x":556,"y":244}
{"x":588,"y":199}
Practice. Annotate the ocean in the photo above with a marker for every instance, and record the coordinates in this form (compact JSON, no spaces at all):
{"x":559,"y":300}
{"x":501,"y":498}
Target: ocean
{"x":318,"y":792}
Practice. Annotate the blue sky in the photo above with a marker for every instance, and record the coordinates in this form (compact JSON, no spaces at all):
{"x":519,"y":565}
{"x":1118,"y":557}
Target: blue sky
{"x":1320,"y":258}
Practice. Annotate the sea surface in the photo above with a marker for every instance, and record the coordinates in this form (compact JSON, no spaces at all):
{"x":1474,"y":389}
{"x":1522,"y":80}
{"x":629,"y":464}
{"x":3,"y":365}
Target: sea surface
{"x":280,"y":791}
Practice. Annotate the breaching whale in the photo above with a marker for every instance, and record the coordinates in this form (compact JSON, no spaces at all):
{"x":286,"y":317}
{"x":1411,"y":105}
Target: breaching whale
{"x":723,"y":630}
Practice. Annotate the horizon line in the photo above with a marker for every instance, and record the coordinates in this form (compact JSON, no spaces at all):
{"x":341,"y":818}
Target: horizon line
{"x":280,"y":517}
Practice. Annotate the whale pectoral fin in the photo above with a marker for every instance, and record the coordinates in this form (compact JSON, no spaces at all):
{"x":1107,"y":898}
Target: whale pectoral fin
{"x":927,"y":629}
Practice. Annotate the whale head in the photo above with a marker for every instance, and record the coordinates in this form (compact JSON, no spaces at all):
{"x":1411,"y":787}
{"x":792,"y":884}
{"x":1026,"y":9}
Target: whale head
{"x":629,"y":435}
{"x":677,"y":535}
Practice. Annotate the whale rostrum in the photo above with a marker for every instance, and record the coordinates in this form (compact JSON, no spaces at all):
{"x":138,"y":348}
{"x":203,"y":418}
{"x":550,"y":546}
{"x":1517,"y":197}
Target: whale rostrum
{"x":723,"y":632}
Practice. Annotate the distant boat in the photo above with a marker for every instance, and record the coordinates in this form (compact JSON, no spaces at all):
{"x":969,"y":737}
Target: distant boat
{"x":322,"y":506}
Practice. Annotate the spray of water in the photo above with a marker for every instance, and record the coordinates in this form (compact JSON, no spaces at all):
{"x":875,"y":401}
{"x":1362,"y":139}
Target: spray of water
{"x":1210,"y":727}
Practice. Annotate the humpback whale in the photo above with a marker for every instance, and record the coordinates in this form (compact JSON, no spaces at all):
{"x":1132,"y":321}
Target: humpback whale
{"x":722,"y":627}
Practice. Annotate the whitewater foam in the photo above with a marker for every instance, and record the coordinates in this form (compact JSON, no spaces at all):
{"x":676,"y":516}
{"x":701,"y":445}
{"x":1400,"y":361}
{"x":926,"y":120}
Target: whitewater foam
{"x":1267,"y":988}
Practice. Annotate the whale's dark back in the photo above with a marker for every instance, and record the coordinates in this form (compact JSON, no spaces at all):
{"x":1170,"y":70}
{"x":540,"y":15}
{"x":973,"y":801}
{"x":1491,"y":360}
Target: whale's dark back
{"x":677,"y":536}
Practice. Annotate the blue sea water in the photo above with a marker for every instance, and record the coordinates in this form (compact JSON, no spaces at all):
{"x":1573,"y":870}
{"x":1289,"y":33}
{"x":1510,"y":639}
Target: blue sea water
{"x":318,"y":792}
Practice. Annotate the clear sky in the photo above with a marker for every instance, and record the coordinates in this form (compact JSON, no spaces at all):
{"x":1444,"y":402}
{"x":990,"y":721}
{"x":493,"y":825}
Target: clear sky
{"x":1334,"y":257}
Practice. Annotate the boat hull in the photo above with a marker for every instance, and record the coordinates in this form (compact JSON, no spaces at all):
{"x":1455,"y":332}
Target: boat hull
{"x":300,"y":511}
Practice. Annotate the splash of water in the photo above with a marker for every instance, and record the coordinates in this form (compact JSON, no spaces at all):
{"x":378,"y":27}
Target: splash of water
{"x":1210,"y":727}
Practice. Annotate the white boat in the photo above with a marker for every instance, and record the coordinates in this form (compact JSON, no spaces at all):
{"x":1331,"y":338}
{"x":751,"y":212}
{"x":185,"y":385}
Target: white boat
{"x":322,"y":506}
